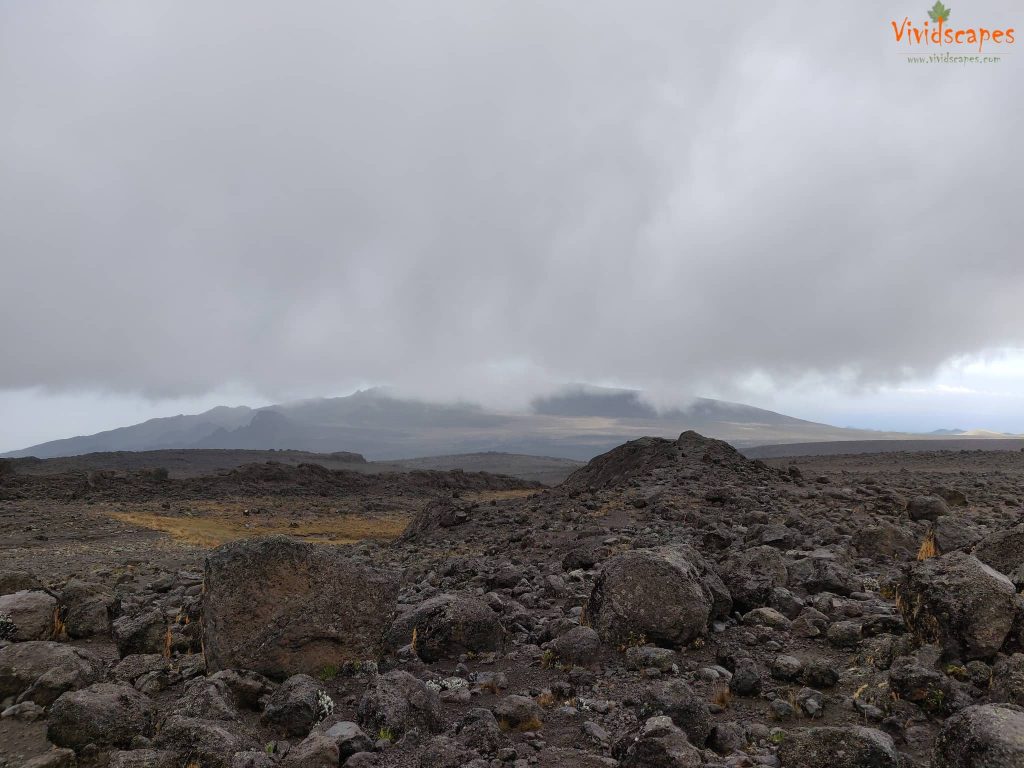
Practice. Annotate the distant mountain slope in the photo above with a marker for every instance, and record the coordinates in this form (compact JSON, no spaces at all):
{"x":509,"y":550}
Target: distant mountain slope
{"x":195,"y":462}
{"x":578,"y":423}
{"x":909,"y":445}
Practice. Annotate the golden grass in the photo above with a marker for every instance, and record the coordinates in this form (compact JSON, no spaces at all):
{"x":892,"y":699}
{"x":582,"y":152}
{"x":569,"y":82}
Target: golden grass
{"x":722,"y":697}
{"x":929,"y":547}
{"x":215,"y":529}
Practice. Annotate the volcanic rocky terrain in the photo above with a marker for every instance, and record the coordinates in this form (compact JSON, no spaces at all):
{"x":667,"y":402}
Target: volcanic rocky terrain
{"x":671,"y":603}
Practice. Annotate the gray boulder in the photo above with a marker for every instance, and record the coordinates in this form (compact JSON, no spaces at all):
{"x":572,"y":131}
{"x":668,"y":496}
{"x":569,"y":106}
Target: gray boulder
{"x":30,"y":614}
{"x":396,"y":702}
{"x":1008,"y":679}
{"x":960,"y":602}
{"x":687,"y":709}
{"x":297,"y":705}
{"x":281,"y":607}
{"x":105,"y":714}
{"x":40,"y":671}
{"x":140,"y":632}
{"x":517,"y":713}
{"x":986,"y":736}
{"x":665,"y":596}
{"x":659,"y":744}
{"x":203,"y":742}
{"x":447,"y":626}
{"x":1002,"y":550}
{"x":142,"y":758}
{"x":823,"y":571}
{"x":579,"y":646}
{"x":927,"y":508}
{"x":752,"y":575}
{"x":85,"y":609}
{"x":838,"y":747}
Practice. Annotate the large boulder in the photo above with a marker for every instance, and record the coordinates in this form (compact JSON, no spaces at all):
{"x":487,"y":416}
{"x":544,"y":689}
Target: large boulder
{"x":297,"y":705}
{"x":104,"y":714}
{"x":986,"y":736}
{"x":436,"y":515}
{"x":447,"y":626}
{"x":959,"y":601}
{"x":823,"y":570}
{"x":838,"y":747}
{"x":659,"y":744}
{"x":665,"y":596}
{"x":752,"y":576}
{"x":29,"y":615}
{"x":687,"y":709}
{"x":281,"y":607}
{"x":40,"y":671}
{"x":85,"y":609}
{"x":140,"y":632}
{"x":579,"y":646}
{"x":200,"y":742}
{"x":927,"y":508}
{"x":1002,"y":550}
{"x":396,"y":702}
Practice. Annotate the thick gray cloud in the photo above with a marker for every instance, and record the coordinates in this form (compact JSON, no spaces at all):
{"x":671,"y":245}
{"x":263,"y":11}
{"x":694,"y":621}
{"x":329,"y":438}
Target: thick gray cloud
{"x":449,"y":196}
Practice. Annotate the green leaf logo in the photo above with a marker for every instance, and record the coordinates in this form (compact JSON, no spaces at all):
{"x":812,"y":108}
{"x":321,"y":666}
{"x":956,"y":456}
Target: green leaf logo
{"x":939,"y":13}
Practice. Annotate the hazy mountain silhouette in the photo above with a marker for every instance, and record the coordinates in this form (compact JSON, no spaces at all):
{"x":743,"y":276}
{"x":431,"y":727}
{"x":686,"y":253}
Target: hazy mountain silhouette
{"x":578,"y":423}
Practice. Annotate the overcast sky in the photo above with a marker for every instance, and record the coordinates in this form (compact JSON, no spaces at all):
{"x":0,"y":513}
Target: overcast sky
{"x":246,"y":201}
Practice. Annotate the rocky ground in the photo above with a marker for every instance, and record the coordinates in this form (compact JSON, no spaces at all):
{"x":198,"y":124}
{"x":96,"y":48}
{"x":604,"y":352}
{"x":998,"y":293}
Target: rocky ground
{"x":670,"y":604}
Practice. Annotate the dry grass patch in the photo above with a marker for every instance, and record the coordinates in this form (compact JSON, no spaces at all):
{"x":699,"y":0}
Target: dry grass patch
{"x":929,"y":547}
{"x":211,"y":530}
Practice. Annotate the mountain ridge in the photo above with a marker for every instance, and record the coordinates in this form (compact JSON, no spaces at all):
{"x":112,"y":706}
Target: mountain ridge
{"x":576,"y":423}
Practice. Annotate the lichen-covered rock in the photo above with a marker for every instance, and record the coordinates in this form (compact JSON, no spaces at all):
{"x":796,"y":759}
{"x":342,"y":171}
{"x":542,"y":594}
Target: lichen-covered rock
{"x":447,"y":626}
{"x":281,"y":607}
{"x":42,"y":670}
{"x":665,"y":596}
{"x":960,"y":602}
{"x":104,"y":714}
{"x":985,"y":736}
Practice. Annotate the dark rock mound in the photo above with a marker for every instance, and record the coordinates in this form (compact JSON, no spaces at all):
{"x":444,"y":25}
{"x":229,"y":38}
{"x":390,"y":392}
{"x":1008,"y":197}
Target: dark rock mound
{"x":659,"y":460}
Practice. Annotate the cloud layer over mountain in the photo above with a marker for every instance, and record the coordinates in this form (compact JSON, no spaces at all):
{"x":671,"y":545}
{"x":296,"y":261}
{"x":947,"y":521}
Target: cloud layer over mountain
{"x":480,"y":197}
